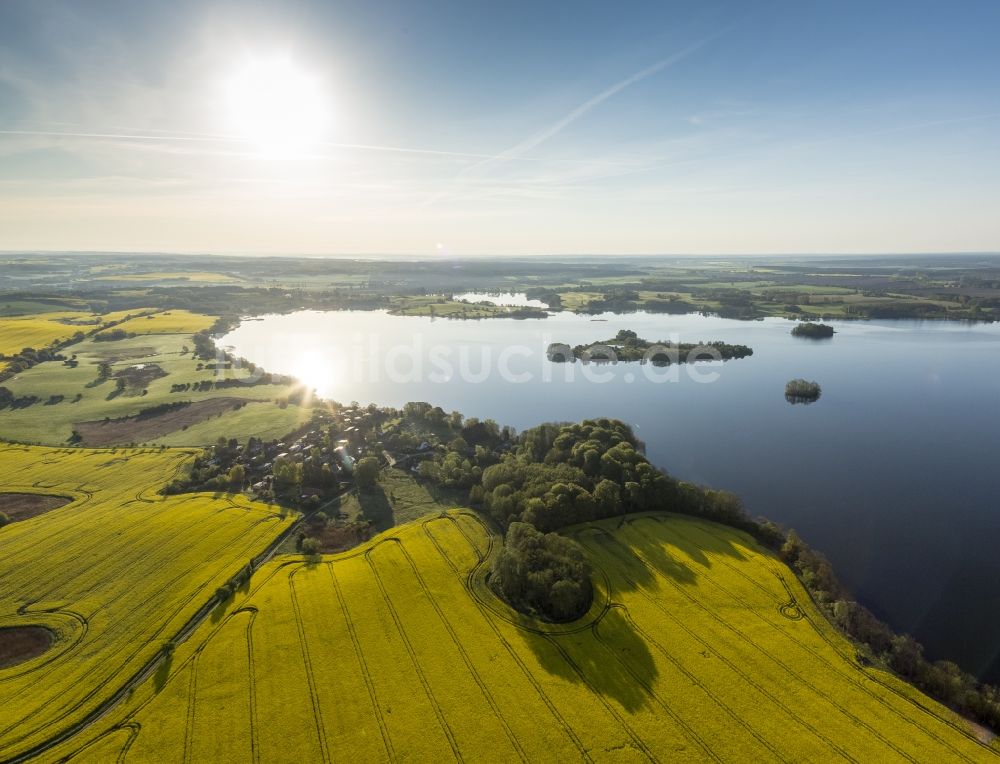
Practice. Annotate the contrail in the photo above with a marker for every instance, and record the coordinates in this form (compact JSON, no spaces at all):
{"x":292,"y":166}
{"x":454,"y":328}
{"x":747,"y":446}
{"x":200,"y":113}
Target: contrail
{"x":597,"y":100}
{"x":515,"y":152}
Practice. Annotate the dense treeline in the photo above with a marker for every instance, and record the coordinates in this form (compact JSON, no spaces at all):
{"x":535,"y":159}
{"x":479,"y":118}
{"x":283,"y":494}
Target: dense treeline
{"x":563,"y":474}
{"x":28,"y":357}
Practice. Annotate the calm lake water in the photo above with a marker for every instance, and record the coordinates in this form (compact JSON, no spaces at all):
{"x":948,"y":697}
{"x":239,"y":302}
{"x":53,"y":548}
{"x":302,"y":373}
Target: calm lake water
{"x":515,"y":299}
{"x":893,"y":473}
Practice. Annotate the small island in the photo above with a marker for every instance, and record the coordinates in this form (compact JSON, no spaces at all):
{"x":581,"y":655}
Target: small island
{"x":813,"y":331}
{"x":802,"y":391}
{"x":627,"y":346}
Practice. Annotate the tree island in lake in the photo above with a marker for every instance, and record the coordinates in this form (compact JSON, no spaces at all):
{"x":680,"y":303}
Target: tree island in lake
{"x":802,"y":391}
{"x":628,"y":346}
{"x":813,"y":331}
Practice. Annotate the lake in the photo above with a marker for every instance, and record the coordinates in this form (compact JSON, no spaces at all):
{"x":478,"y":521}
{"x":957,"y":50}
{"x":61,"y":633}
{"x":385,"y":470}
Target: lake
{"x":893,"y":473}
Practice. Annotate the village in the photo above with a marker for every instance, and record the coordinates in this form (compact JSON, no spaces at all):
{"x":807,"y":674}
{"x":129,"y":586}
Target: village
{"x":316,"y":463}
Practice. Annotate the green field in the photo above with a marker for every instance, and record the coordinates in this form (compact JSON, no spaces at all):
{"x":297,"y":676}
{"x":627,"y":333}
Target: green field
{"x":699,"y":646}
{"x":52,"y":423}
{"x":113,"y":575}
{"x":398,"y":498}
{"x":14,"y":305}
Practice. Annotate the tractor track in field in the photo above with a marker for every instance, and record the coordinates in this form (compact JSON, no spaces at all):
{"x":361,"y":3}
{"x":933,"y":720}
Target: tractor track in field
{"x":837,"y":670}
{"x":156,"y":593}
{"x":192,"y":699}
{"x":252,"y":682}
{"x":854,"y":669}
{"x":503,"y":640}
{"x":794,"y":675}
{"x":438,"y":711}
{"x":595,"y":630}
{"x":359,"y":654}
{"x":732,"y":665}
{"x":144,"y":671}
{"x":475,"y":580}
{"x":307,"y":662}
{"x":558,"y":637}
{"x":465,"y":656}
{"x":871,"y":678}
{"x":701,"y":685}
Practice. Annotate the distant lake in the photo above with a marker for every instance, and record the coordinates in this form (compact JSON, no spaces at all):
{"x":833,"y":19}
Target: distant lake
{"x":893,"y":473}
{"x":512,"y":299}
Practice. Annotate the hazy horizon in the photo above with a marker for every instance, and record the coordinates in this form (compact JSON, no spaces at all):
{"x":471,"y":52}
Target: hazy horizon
{"x":706,"y":256}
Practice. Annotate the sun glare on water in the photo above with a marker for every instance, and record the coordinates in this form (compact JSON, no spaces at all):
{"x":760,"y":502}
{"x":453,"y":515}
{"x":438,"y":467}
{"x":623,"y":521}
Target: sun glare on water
{"x":277,"y":106}
{"x":315,"y":371}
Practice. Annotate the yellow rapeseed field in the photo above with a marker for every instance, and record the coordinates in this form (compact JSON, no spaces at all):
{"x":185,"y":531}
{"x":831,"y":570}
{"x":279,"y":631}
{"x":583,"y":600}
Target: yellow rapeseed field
{"x":115,"y":574}
{"x":167,"y":322}
{"x":699,"y":646}
{"x":41,"y":330}
{"x":19,"y":332}
{"x":209,"y":277}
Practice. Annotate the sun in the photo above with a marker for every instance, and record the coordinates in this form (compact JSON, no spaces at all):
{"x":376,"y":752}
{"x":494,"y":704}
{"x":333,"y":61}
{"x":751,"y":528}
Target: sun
{"x":276,"y":105}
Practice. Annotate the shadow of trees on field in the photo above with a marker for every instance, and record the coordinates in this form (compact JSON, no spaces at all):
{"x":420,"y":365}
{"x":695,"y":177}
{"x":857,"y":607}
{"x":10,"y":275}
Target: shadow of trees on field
{"x":626,"y":570}
{"x":613,"y":656}
{"x":451,"y":497}
{"x":219,"y":611}
{"x":705,"y":536}
{"x":376,"y":508}
{"x":162,"y":672}
{"x":610,"y":658}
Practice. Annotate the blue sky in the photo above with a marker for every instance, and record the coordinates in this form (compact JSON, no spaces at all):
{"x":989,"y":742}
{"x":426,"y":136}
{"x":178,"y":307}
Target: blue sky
{"x":494,"y":128}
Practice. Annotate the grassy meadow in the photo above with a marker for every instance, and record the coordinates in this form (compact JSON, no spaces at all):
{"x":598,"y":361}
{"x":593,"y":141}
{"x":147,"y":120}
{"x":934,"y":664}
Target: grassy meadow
{"x":162,"y":352}
{"x":113,"y":575}
{"x":699,"y":646}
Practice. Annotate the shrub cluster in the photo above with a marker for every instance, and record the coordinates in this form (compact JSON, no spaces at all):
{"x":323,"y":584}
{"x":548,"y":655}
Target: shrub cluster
{"x":113,"y":335}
